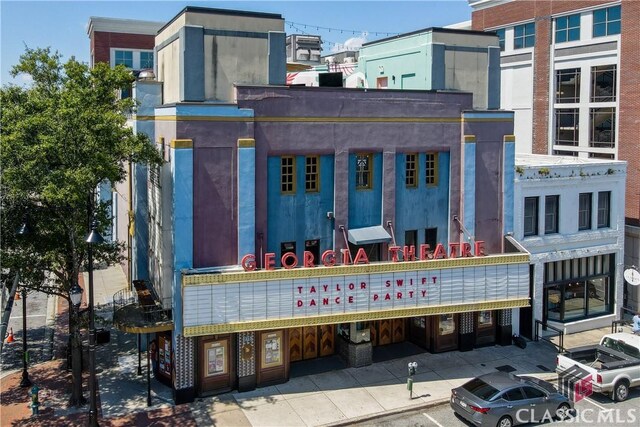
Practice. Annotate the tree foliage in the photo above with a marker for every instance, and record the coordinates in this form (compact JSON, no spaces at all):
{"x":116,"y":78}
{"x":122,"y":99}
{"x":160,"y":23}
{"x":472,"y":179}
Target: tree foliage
{"x":61,"y":136}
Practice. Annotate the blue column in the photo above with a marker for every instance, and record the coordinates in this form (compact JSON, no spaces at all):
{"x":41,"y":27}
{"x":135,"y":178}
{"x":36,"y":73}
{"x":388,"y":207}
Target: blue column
{"x":277,"y":58}
{"x":469,"y":185}
{"x":508,"y":182}
{"x":493,"y":89}
{"x":246,"y":197}
{"x":191,"y":63}
{"x":182,"y":196}
{"x":148,"y":94}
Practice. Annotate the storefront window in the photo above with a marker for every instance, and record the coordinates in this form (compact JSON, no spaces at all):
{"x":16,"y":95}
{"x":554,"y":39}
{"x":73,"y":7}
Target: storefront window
{"x":447,"y":324}
{"x":272,"y":349}
{"x":485,"y":318}
{"x":574,"y":300}
{"x":554,"y":300}
{"x":575,"y":296}
{"x":215,"y":354}
{"x":598,"y":295}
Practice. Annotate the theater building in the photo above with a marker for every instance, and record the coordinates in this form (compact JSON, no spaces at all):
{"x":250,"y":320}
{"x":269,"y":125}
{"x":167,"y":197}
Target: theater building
{"x":295,"y":223}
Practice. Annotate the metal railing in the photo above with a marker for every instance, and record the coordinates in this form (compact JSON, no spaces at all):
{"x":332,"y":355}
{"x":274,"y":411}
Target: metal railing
{"x":626,"y":315}
{"x":544,"y":326}
{"x":127,"y":310}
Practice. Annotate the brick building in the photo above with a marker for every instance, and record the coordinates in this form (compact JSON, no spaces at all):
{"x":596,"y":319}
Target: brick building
{"x":569,"y":71}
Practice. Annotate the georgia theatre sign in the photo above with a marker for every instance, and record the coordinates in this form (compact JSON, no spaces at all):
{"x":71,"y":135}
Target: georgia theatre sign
{"x":256,"y":296}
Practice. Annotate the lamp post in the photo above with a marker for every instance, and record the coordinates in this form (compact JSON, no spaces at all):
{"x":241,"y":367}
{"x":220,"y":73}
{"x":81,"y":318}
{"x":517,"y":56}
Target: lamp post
{"x":93,"y":238}
{"x":25,"y":382}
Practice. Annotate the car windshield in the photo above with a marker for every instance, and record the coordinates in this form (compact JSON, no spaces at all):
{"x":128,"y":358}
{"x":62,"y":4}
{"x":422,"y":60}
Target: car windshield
{"x":480,"y":389}
{"x":621,"y":346}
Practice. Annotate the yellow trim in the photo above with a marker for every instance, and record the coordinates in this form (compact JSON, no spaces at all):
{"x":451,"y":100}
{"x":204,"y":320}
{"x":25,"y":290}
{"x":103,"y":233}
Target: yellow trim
{"x":193,"y":331}
{"x":246,"y":142}
{"x":144,"y":330}
{"x":469,"y":138}
{"x":181,"y":143}
{"x":341,"y":270}
{"x":323,"y":119}
{"x":509,"y":138}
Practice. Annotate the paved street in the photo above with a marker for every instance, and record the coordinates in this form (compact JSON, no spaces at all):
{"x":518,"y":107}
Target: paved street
{"x":38,"y":333}
{"x":596,"y":410}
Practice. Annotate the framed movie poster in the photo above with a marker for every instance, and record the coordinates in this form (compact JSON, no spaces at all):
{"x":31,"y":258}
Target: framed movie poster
{"x":272,"y":349}
{"x":215,"y":356}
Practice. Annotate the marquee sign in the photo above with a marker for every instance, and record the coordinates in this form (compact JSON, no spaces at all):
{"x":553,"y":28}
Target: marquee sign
{"x":252,"y":297}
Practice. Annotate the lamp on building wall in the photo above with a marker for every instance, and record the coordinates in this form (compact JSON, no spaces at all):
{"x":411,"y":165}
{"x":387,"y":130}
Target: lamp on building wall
{"x":93,"y":238}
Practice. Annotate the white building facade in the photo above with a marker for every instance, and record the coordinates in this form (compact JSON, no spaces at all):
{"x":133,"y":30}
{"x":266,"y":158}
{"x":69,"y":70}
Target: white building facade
{"x":569,"y":214}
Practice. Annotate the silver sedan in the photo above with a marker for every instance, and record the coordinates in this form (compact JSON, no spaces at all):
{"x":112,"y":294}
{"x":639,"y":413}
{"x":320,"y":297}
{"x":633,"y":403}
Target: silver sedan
{"x":503,"y":400}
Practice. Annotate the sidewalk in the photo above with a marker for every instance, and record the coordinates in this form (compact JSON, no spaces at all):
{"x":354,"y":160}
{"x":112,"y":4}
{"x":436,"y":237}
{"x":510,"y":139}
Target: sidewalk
{"x":332,"y":398}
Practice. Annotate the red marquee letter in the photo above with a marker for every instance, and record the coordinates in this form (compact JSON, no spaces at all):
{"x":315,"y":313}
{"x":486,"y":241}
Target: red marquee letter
{"x":410,"y":253}
{"x":480,"y":248}
{"x":424,"y":253}
{"x":286,"y":257}
{"x":269,"y":261}
{"x":394,"y":253}
{"x":361,"y":256}
{"x":308,"y":259}
{"x":329,"y":258}
{"x":453,"y":250}
{"x":248,"y":262}
{"x":439,"y":252}
{"x":466,"y":250}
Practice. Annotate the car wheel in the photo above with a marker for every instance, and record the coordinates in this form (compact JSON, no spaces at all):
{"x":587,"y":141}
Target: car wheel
{"x":563,"y":412}
{"x":505,"y":422}
{"x":621,"y":391}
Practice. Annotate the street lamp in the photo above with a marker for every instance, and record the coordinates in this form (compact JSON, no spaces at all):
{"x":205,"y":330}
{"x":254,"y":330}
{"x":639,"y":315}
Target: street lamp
{"x":93,"y":238}
{"x":25,"y":382}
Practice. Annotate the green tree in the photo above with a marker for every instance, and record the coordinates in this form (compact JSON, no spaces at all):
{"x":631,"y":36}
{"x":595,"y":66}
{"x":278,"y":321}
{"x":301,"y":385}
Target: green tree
{"x":61,"y":136}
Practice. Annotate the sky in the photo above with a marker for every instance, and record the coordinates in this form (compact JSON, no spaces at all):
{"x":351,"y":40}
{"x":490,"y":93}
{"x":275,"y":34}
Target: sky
{"x":62,"y":25}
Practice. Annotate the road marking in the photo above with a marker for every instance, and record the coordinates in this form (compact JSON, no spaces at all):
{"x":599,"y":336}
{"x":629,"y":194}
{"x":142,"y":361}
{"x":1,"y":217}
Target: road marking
{"x":599,"y":406}
{"x":434,"y":421}
{"x":29,"y":316}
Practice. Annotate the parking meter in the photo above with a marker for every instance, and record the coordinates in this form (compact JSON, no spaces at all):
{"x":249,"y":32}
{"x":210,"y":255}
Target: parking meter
{"x":412,"y":368}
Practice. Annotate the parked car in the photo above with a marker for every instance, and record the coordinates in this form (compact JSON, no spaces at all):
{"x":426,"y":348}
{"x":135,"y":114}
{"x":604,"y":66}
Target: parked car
{"x":502,"y":399}
{"x":614,"y":364}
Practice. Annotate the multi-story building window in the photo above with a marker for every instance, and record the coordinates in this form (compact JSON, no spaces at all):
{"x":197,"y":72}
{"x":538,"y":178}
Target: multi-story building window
{"x":530,"y":216}
{"x":551,"y":209}
{"x":287,"y":247}
{"x":584,"y":211}
{"x":604,"y":209}
{"x":124,"y":57}
{"x":524,"y":35}
{"x":606,"y":22}
{"x":411,"y":238}
{"x":500,"y":32}
{"x":364,"y":169}
{"x":567,"y":129}
{"x":602,"y":127}
{"x":603,"y":83}
{"x":601,"y":156}
{"x":311,"y":174}
{"x":568,"y":28}
{"x":568,"y":86}
{"x":411,"y":170}
{"x":431,"y":168}
{"x":146,"y":60}
{"x":288,"y":174}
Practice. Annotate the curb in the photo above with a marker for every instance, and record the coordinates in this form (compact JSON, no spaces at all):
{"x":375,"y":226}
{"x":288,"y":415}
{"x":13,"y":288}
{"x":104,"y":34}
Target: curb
{"x":397,"y":411}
